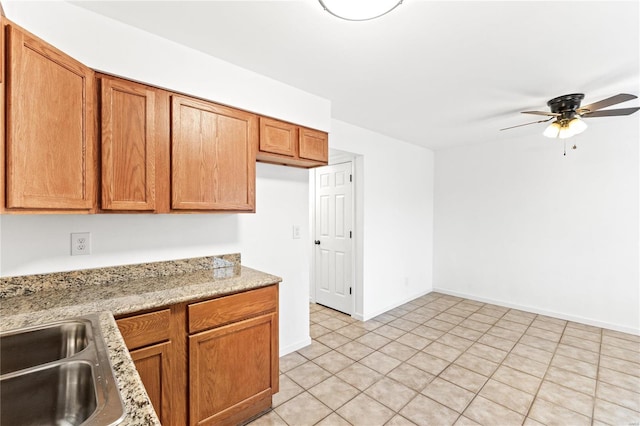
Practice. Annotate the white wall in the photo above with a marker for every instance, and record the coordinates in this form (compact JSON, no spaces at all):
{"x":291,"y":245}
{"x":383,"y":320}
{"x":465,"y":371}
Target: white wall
{"x":518,"y":223}
{"x":394,"y":237}
{"x":38,"y":244}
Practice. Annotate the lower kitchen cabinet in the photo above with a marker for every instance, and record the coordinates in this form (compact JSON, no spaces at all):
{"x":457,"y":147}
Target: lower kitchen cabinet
{"x":230,"y":371}
{"x":152,"y":363}
{"x":210,"y":362}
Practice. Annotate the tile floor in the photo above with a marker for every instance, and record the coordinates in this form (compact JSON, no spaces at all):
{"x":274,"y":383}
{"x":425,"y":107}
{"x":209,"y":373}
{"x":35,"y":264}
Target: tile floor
{"x":443,"y":360}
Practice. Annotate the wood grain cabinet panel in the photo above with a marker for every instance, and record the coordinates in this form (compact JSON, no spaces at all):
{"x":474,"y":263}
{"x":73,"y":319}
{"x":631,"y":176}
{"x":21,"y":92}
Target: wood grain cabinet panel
{"x":291,"y":145}
{"x":278,"y":137}
{"x":314,"y":145}
{"x":230,"y":371}
{"x":128,"y":145}
{"x":153,"y":366}
{"x":213,"y":154}
{"x":50,"y":135}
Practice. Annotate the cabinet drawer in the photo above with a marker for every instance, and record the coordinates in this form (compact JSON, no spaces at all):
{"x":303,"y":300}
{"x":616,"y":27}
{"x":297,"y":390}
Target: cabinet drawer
{"x":227,"y":309}
{"x":145,"y":329}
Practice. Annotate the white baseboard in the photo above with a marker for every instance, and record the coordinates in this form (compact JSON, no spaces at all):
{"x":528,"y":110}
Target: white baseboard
{"x":284,"y":350}
{"x":536,"y":310}
{"x":390,"y":307}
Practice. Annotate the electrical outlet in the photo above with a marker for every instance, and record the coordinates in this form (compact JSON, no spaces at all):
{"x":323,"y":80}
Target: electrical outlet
{"x":296,"y":232}
{"x":80,"y":243}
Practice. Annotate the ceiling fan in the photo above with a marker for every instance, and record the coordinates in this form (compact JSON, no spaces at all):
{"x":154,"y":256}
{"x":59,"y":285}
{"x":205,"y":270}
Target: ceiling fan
{"x":568,"y":113}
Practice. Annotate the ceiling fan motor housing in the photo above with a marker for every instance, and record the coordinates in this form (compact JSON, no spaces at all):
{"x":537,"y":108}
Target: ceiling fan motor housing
{"x":567,"y":105}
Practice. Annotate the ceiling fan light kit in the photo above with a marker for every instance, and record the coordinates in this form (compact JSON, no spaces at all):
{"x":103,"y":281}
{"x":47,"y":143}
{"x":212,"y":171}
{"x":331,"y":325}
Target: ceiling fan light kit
{"x":359,"y":10}
{"x":564,"y":129}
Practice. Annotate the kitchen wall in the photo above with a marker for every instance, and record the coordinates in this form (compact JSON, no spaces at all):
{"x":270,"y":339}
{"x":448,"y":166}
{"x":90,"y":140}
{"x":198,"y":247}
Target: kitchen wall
{"x":35,"y":244}
{"x":394,"y":210}
{"x":518,"y":223}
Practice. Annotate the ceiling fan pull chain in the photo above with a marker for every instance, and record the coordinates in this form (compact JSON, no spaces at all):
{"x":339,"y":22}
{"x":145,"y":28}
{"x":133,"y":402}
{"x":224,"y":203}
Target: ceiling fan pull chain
{"x":565,"y":148}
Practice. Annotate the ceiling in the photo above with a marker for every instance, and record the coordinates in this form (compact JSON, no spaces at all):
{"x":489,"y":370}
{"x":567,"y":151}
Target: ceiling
{"x":432,"y":73}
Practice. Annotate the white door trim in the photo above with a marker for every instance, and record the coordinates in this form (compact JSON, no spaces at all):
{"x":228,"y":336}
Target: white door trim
{"x":356,"y":255}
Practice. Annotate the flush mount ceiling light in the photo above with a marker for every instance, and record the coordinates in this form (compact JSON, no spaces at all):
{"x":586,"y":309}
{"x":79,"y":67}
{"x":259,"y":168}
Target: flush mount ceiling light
{"x":359,"y":10}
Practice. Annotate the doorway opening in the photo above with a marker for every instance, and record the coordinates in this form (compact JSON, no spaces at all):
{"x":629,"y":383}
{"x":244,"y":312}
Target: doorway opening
{"x":336,"y":260}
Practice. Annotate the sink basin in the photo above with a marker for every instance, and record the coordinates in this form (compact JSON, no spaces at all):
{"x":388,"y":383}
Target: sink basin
{"x":61,"y":394}
{"x":58,"y":374}
{"x":39,"y":345}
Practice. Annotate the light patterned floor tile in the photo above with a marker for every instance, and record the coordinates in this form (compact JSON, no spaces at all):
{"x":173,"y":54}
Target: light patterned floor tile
{"x":288,"y":389}
{"x":615,"y":414}
{"x":333,"y":340}
{"x":448,"y":394}
{"x":619,"y":396}
{"x":333,"y":420}
{"x":291,"y":361}
{"x":411,"y":376}
{"x":354,"y":350}
{"x":508,"y":396}
{"x":460,"y":356}
{"x":373,"y":340}
{"x":391,"y":393}
{"x":398,"y":351}
{"x":517,"y":379}
{"x":464,"y":378}
{"x":308,"y":374}
{"x":380,"y":362}
{"x":314,"y":350}
{"x":334,"y":392}
{"x":269,"y":419}
{"x":426,"y":412}
{"x":364,"y":410}
{"x":333,"y":361}
{"x":303,"y":410}
{"x":477,"y":364}
{"x":567,"y":398}
{"x":551,"y":414}
{"x":488,"y":412}
{"x":359,"y":376}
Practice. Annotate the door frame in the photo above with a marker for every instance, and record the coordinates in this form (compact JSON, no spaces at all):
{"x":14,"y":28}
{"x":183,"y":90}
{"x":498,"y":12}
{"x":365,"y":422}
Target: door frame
{"x":337,"y":157}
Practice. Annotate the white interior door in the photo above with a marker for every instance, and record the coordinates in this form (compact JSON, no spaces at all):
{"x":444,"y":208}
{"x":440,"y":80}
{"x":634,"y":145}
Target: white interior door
{"x":333,"y":237}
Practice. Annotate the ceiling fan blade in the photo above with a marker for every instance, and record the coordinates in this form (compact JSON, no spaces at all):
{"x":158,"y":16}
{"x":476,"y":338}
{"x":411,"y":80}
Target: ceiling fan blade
{"x":526,"y":124}
{"x":551,"y":114}
{"x":622,"y":97}
{"x":610,"y":112}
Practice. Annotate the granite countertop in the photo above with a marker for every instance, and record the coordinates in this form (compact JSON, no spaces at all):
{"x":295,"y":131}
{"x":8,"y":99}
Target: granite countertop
{"x":38,"y":299}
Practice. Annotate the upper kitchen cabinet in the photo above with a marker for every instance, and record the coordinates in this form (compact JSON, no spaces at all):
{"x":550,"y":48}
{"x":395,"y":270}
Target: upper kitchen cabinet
{"x":128,"y":142}
{"x":50,"y":132}
{"x":213,"y":155}
{"x":291,"y":145}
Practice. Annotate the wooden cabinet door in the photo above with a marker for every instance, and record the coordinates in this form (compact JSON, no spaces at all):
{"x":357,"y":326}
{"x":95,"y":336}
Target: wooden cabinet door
{"x":233,"y":371}
{"x":314,"y":145}
{"x":152,"y":363}
{"x":213,"y":154}
{"x":50,"y":136}
{"x":278,"y":137}
{"x":128,"y":145}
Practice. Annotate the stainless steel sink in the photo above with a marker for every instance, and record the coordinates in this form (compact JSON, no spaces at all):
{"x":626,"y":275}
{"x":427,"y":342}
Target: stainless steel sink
{"x":58,"y":374}
{"x":26,"y":348}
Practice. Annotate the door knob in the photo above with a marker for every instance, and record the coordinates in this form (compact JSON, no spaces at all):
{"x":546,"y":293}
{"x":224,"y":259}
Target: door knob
{"x":317,"y":242}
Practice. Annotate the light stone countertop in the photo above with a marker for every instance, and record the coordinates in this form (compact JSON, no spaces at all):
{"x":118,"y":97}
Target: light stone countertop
{"x":124,"y":297}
